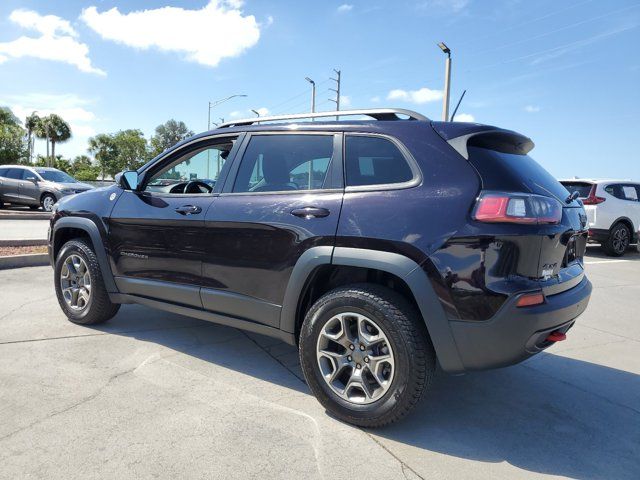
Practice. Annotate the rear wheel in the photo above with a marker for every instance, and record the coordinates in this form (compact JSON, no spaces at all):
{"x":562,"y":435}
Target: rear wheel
{"x":366,"y":355}
{"x":47,"y":202}
{"x":618,"y":241}
{"x":79,"y":287}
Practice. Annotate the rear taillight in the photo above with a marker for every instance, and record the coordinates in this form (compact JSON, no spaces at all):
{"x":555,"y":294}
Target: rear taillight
{"x":592,"y":199}
{"x":498,"y":207}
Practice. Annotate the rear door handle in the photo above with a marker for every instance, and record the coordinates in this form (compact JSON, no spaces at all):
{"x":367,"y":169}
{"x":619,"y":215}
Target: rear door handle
{"x":310,"y":212}
{"x":188,"y":209}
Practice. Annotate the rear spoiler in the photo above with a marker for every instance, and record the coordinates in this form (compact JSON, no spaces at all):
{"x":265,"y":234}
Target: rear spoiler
{"x":463,"y":135}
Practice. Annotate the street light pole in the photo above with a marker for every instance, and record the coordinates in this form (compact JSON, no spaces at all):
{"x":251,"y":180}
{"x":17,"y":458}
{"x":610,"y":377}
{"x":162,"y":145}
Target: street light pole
{"x":256,"y":112}
{"x":218,"y":102}
{"x":313,"y":94}
{"x":447,"y":82}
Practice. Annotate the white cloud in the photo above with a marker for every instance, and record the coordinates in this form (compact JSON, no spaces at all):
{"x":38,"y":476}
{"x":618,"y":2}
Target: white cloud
{"x":73,"y":108}
{"x":345,"y":101}
{"x":262,"y":111}
{"x":56,"y":42}
{"x":205,"y":36}
{"x":422,"y":95}
{"x":532,"y":108}
{"x":454,"y":6}
{"x":464,"y":117}
{"x":344,"y":8}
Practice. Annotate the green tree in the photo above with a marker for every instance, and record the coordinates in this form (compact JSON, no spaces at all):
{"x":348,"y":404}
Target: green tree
{"x":167,"y":135}
{"x":58,"y":131}
{"x":83,"y":169}
{"x":103,"y":148}
{"x":13,"y":148}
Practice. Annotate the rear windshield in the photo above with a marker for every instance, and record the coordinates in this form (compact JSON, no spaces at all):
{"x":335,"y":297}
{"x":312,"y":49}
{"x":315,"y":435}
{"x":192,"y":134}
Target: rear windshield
{"x":514,"y":173}
{"x":583,"y":188}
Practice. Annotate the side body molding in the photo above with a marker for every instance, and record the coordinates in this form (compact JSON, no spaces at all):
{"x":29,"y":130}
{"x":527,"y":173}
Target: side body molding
{"x":434,"y":316}
{"x":91,"y":228}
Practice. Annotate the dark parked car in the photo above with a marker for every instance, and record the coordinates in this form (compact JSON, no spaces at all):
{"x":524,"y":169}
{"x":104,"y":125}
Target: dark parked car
{"x":36,"y":186}
{"x":380,"y":247}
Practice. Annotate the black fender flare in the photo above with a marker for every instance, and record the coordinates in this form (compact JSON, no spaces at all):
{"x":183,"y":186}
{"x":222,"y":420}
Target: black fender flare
{"x":625,"y":220}
{"x":403,"y":267}
{"x":87,"y":225}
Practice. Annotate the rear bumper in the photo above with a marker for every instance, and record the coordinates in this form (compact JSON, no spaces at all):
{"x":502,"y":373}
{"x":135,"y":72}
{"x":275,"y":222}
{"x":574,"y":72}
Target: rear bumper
{"x":598,"y":235}
{"x":514,"y":334}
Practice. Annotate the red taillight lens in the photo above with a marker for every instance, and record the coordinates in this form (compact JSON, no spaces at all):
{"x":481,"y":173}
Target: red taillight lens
{"x":592,"y":199}
{"x":493,"y":207}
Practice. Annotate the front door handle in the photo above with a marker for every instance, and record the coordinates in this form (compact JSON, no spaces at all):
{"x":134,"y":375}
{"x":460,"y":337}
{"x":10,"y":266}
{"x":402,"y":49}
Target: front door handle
{"x":310,"y":212}
{"x":188,"y":209}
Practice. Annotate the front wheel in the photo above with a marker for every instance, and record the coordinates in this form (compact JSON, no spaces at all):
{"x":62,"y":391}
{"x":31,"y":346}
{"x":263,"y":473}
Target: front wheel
{"x":79,"y":287}
{"x":618,"y":241}
{"x":366,"y":354}
{"x":47,"y":202}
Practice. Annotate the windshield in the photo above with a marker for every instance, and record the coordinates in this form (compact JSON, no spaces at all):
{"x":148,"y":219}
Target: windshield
{"x":506,"y":171}
{"x":583,"y":188}
{"x":56,"y":176}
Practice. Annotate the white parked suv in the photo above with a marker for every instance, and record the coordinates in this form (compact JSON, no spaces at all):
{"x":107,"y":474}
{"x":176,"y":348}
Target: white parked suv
{"x":613,"y":211}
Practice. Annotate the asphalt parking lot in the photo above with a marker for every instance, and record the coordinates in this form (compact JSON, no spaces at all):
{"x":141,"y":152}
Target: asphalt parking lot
{"x":156,"y":395}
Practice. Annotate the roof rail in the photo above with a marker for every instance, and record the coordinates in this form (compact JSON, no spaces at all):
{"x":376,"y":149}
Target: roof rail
{"x":376,"y":113}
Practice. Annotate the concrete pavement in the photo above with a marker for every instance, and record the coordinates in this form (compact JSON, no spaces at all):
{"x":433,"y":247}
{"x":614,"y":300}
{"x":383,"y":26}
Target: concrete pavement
{"x":23,"y":229}
{"x":151,"y":394}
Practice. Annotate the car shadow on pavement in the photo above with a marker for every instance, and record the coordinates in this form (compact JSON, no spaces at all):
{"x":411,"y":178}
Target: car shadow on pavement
{"x":542,"y":417}
{"x":596,"y":252}
{"x":551,"y":415}
{"x":225,"y":346}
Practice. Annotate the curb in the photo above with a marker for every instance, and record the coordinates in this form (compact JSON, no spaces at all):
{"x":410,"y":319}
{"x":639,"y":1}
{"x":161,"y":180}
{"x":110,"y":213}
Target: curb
{"x":23,"y":243}
{"x":25,"y":216}
{"x":28,"y":260}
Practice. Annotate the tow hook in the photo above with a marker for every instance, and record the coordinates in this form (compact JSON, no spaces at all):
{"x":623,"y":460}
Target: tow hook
{"x":556,"y":337}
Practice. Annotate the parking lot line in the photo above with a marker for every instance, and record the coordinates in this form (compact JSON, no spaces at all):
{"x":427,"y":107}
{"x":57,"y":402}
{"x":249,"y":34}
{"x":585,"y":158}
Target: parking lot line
{"x":595,"y":262}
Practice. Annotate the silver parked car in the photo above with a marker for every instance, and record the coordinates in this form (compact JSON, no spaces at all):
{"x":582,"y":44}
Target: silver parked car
{"x":36,"y":186}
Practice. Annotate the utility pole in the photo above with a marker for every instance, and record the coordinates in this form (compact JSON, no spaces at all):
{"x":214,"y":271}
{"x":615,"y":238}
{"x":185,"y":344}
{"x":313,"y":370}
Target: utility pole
{"x":313,"y":94}
{"x":337,"y":90}
{"x":447,"y":82}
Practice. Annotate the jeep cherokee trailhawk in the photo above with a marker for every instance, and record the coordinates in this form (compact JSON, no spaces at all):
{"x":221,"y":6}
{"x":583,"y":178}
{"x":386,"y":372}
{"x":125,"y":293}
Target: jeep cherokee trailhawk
{"x":380,"y":243}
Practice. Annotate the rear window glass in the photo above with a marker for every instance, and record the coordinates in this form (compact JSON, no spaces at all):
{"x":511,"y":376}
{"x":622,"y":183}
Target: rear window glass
{"x":515,"y":173}
{"x":374,"y":161}
{"x":583,"y":188}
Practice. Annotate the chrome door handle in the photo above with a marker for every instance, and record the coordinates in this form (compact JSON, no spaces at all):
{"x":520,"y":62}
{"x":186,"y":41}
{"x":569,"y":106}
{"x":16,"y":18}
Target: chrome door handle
{"x":188,"y":209}
{"x":310,"y":212}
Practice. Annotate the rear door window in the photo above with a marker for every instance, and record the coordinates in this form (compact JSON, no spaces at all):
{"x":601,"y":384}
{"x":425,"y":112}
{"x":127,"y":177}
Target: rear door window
{"x":630,"y":193}
{"x":280,"y":163}
{"x":14,"y":173}
{"x":3,"y":171}
{"x":374,"y":161}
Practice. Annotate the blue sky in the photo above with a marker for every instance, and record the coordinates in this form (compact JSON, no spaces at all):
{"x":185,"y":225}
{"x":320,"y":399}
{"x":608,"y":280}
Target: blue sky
{"x":566,"y":73}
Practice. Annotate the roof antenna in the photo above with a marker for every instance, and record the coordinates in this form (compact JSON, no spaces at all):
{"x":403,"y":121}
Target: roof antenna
{"x":456,"y":109}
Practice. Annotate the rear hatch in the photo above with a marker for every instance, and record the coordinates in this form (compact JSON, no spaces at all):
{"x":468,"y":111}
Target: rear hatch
{"x":501,"y":160}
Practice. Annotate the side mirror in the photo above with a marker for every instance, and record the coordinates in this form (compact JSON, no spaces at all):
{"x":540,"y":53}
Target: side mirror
{"x":32,"y":179}
{"x":129,"y":180}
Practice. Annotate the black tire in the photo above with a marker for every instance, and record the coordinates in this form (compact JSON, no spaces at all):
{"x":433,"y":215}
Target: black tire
{"x":99,"y":308}
{"x":414,"y":356}
{"x":618,"y":240}
{"x":43,"y":201}
{"x":34,"y":207}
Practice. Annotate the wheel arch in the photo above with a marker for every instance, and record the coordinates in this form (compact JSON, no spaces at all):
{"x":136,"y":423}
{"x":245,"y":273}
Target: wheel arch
{"x":47,"y":192}
{"x":67,"y":228}
{"x":625,"y":220}
{"x":406,"y":275}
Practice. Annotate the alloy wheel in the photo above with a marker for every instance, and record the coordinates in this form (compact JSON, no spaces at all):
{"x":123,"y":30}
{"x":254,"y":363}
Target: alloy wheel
{"x":355,"y":358}
{"x":75,"y":282}
{"x":620,"y":240}
{"x":48,"y":202}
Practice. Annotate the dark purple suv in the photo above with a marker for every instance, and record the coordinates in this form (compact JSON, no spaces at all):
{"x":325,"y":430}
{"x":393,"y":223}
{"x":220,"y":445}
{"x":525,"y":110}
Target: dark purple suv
{"x":381,"y":247}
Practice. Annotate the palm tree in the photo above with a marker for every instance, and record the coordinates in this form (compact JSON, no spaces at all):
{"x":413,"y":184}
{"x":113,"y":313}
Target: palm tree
{"x":31,"y":124}
{"x":58,"y":131}
{"x":41,"y":130}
